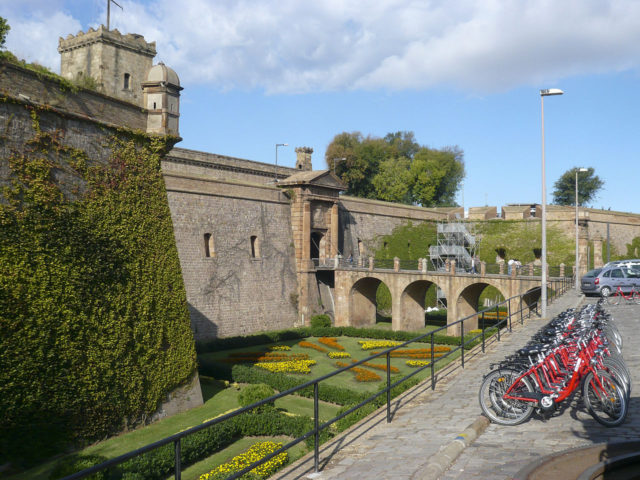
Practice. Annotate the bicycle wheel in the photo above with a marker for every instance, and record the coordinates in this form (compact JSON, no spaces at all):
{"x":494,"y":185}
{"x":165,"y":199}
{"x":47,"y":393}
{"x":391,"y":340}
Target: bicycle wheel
{"x":614,"y":298}
{"x":620,"y":372}
{"x":499,"y":409}
{"x":605,"y":399}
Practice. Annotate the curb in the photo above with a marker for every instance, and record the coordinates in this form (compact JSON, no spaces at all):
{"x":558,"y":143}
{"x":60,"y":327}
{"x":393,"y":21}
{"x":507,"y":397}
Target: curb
{"x":441,"y":461}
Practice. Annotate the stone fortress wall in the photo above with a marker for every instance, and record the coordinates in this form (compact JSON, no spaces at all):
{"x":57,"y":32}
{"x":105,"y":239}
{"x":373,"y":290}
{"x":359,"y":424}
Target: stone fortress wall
{"x":234,"y":227}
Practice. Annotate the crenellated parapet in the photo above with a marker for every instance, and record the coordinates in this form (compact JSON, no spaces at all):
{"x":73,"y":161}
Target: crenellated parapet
{"x":117,"y":64}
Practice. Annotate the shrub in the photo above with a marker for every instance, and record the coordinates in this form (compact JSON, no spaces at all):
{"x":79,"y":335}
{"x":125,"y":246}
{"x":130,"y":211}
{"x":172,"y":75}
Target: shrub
{"x":255,"y":393}
{"x":319,"y":321}
{"x":75,"y":463}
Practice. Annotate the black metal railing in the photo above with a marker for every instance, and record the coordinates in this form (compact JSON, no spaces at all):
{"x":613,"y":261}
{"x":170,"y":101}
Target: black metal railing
{"x":516,"y":308}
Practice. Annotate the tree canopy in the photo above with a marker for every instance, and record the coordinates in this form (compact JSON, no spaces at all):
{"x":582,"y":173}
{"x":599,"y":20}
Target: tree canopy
{"x":4,"y":30}
{"x":589,"y":184}
{"x":396,"y":168}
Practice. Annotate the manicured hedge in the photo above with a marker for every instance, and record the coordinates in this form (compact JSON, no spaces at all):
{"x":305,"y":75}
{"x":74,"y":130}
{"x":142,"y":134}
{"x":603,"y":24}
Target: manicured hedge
{"x":229,"y":343}
{"x":158,"y":464}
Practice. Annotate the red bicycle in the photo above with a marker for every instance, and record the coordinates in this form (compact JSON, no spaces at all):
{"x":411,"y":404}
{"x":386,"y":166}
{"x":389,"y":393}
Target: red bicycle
{"x":542,"y":376}
{"x":615,"y":297}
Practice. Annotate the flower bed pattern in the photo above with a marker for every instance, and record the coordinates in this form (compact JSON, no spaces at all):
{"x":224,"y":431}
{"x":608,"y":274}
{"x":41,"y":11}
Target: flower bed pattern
{"x":339,"y":355}
{"x":418,"y":363}
{"x":253,"y":454}
{"x":306,"y":344}
{"x":331,"y":342}
{"x":362,"y":374}
{"x":381,"y":366}
{"x":419,"y":352}
{"x":250,"y":357}
{"x":294,"y":366}
{"x":279,"y":348}
{"x":372,"y":344}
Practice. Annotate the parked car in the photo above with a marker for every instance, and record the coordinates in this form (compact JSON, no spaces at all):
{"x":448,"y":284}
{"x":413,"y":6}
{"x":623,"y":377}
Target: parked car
{"x":605,"y":281}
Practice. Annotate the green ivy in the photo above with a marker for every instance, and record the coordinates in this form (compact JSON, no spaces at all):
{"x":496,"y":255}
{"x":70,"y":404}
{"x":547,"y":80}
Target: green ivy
{"x":94,"y":326}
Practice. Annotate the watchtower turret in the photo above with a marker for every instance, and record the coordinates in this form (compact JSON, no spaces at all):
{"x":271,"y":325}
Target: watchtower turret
{"x":118,"y":63}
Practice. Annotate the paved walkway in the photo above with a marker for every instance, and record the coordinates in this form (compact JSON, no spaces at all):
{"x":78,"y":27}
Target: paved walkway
{"x":430,"y":428}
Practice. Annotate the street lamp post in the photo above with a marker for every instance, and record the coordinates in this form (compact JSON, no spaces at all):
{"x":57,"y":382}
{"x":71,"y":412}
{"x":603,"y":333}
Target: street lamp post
{"x":577,"y":257}
{"x":543,"y":294}
{"x":275,"y":168}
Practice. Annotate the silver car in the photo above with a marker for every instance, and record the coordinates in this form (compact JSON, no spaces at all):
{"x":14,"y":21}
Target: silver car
{"x":606,"y":281}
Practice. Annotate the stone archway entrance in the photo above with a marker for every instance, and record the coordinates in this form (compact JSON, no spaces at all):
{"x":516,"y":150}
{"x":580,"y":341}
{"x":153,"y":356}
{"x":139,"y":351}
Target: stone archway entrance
{"x":363,"y":303}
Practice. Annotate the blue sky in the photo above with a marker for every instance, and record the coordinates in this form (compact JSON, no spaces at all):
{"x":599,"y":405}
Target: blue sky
{"x":455,"y":72}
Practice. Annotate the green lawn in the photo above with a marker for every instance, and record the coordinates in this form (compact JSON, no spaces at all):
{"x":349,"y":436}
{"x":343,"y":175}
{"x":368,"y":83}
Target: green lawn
{"x":220,"y":397}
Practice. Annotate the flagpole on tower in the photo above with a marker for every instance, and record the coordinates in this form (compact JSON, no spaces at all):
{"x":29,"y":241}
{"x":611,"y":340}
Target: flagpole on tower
{"x":109,"y":10}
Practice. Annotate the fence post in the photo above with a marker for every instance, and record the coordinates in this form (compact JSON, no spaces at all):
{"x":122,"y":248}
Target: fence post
{"x":562,"y":269}
{"x":501,"y":265}
{"x":388,"y":387}
{"x":453,"y":267}
{"x":509,"y":314}
{"x":316,"y":433}
{"x":483,"y":268}
{"x":176,"y":445}
{"x":371,"y":264}
{"x":482,"y":323}
{"x":433,"y":367}
{"x":424,"y":265}
{"x":462,"y":341}
{"x":396,"y":264}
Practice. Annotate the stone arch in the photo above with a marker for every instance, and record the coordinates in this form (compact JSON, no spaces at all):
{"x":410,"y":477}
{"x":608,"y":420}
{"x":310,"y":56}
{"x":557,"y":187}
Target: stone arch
{"x":412,"y":305}
{"x":466,"y":303}
{"x":529,"y":301}
{"x":362,"y":301}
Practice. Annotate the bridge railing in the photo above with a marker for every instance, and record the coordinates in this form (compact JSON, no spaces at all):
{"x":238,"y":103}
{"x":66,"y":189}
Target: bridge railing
{"x":505,"y":313}
{"x":425,"y":265}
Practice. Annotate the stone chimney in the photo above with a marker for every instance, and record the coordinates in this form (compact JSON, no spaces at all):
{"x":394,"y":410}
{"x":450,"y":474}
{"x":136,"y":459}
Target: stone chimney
{"x":303,"y":158}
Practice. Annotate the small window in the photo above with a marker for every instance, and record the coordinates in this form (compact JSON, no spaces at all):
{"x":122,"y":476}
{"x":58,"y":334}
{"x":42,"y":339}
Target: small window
{"x":209,"y":249}
{"x":617,"y":273}
{"x":607,"y":274}
{"x":255,"y":247}
{"x":154,"y":105}
{"x":127,"y":81}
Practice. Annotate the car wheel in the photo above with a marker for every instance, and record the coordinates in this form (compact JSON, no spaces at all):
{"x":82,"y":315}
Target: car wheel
{"x":605,"y":292}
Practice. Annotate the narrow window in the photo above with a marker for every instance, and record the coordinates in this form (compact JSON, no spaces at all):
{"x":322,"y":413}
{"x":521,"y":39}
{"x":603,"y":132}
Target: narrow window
{"x":209,"y":249}
{"x":127,"y":79}
{"x":255,"y":247}
{"x":154,"y":105}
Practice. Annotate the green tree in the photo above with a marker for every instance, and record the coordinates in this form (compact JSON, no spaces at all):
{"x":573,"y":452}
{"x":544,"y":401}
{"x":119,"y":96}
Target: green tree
{"x":4,"y":30}
{"x":392,"y":183}
{"x":589,"y":184}
{"x":436,"y":176}
{"x":396,"y":168}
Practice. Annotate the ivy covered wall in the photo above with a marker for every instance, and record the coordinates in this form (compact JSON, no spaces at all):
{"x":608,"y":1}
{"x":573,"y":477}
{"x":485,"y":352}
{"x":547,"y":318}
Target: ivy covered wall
{"x":94,"y":327}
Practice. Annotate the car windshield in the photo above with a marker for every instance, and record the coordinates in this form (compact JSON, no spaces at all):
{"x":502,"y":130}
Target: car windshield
{"x":593,"y":273}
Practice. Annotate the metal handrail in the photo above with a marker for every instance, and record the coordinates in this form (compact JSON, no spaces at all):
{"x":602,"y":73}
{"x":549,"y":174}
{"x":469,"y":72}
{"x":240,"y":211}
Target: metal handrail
{"x":561,"y":286}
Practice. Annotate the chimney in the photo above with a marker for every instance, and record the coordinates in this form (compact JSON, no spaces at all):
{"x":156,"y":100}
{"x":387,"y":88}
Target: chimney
{"x":303,"y":158}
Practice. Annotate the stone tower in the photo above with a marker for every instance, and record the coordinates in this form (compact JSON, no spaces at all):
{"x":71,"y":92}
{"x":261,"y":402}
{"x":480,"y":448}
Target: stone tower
{"x":118,"y":63}
{"x":303,"y":158}
{"x":162,"y":100}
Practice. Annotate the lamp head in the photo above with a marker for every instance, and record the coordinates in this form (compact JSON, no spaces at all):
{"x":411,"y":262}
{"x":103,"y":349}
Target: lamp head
{"x":550,"y":91}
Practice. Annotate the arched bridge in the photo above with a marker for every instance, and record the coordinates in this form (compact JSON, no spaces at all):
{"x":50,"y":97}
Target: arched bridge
{"x":355,"y":292}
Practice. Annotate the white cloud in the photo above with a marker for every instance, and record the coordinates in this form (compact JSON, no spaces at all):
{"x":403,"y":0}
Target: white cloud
{"x":293,"y":46}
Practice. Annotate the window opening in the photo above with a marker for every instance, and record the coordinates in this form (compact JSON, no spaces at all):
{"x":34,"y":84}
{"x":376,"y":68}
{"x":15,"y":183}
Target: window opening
{"x":255,"y":247}
{"x":209,"y":248}
{"x":127,"y":79}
